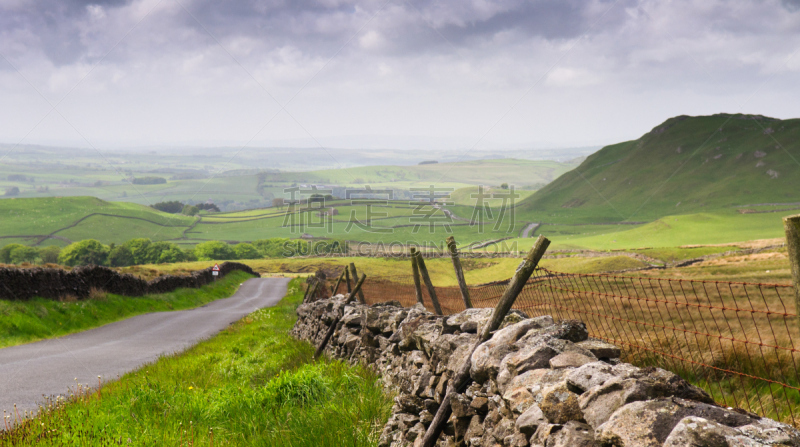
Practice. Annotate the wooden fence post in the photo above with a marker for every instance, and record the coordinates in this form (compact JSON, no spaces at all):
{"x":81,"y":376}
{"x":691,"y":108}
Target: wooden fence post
{"x":357,"y":288}
{"x":791,"y":224}
{"x":347,"y":279}
{"x":335,"y":323}
{"x":328,"y":335}
{"x":355,"y":275}
{"x":338,"y":281}
{"x":308,"y":288}
{"x":313,"y":289}
{"x":415,"y":270}
{"x":427,"y":280}
{"x":462,"y":283}
{"x":462,"y":377}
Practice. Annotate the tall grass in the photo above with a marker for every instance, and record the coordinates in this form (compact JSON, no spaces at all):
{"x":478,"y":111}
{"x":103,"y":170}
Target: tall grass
{"x":252,"y":385}
{"x":27,"y":321}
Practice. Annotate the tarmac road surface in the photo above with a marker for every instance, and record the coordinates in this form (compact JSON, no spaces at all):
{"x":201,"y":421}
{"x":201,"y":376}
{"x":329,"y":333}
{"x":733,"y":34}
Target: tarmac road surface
{"x":50,"y":367}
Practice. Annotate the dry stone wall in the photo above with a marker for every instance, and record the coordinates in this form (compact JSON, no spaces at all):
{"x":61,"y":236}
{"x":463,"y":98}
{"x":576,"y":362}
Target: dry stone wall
{"x":536,"y":382}
{"x":24,"y":284}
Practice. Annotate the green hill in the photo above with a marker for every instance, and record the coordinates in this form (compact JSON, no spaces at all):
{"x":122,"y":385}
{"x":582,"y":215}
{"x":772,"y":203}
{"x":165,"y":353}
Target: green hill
{"x":59,"y":220}
{"x":685,"y":165}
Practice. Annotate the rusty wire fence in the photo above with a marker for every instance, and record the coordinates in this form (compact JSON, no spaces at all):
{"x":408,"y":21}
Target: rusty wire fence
{"x":733,"y":339}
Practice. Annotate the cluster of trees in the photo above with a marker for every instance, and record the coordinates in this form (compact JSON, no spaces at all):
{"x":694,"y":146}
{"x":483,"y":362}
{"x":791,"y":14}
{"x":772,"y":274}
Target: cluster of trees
{"x":175,"y":207}
{"x":18,"y":253}
{"x":144,"y":251}
{"x":149,"y":180}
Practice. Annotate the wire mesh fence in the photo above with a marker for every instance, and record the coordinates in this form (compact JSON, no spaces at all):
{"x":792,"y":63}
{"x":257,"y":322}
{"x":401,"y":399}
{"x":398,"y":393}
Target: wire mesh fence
{"x":734,"y":339}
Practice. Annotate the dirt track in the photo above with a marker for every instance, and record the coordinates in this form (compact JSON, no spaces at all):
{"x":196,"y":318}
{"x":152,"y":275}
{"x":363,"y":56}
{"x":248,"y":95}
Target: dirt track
{"x":50,"y":367}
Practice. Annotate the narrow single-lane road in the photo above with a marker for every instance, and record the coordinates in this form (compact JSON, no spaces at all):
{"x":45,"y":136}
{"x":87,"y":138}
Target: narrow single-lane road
{"x":50,"y":367}
{"x":529,"y":229}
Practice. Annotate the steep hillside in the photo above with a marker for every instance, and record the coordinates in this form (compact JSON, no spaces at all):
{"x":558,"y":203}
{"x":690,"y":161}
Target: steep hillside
{"x":685,"y":165}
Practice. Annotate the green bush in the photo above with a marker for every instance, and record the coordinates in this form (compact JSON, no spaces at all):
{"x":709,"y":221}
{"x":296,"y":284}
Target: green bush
{"x":85,"y":252}
{"x":246,"y":251}
{"x":121,"y":256}
{"x":138,"y":248}
{"x":214,"y":250}
{"x":189,"y":254}
{"x":160,"y":252}
{"x":5,"y":253}
{"x":49,"y":254}
{"x":172,"y":207}
{"x":270,"y":248}
{"x":23,"y":253}
{"x":190,"y":210}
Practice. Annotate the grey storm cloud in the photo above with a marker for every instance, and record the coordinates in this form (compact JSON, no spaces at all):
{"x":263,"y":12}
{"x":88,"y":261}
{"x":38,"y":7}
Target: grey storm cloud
{"x":509,"y":72}
{"x":60,"y":28}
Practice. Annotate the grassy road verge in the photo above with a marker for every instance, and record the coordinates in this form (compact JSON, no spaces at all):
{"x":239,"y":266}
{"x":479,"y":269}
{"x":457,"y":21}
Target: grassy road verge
{"x":27,"y":321}
{"x":252,"y":385}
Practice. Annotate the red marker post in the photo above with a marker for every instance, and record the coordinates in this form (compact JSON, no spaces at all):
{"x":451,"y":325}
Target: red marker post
{"x":215,"y":271}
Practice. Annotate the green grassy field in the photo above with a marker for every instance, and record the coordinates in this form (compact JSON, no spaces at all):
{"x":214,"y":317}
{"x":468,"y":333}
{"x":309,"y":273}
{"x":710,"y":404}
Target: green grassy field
{"x":27,"y":321}
{"x":251,"y":385}
{"x":77,"y":218}
{"x":676,"y":231}
{"x":449,"y":175}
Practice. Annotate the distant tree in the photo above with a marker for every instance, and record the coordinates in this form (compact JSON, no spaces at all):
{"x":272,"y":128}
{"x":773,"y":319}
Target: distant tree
{"x":278,"y":202}
{"x":208,"y":207}
{"x":246,"y":251}
{"x":504,"y":186}
{"x":270,"y":248}
{"x":190,"y":210}
{"x":12,"y":191}
{"x":49,"y":254}
{"x":22,"y":254}
{"x":214,"y":250}
{"x":149,"y":180}
{"x":173,"y":207}
{"x":85,"y":252}
{"x":189,"y":255}
{"x":120,"y":256}
{"x":5,"y":252}
{"x":138,"y":248}
{"x":164,"y":252}
{"x":316,"y":198}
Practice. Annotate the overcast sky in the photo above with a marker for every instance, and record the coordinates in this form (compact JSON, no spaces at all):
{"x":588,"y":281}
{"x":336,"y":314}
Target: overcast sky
{"x":398,"y":73}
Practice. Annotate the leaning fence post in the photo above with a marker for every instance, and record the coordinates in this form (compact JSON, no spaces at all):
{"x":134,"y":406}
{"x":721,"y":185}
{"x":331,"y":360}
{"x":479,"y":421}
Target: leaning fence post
{"x":328,"y":335}
{"x":357,"y":288}
{"x":791,"y":224}
{"x":347,"y":279}
{"x":415,"y":271}
{"x":462,"y":377}
{"x":355,"y":275}
{"x":462,"y":283}
{"x":338,"y":281}
{"x":313,"y":289}
{"x":308,"y":289}
{"x":427,"y":280}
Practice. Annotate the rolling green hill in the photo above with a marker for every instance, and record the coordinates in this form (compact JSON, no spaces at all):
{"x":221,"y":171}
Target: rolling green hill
{"x":685,"y":165}
{"x":59,"y":220}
